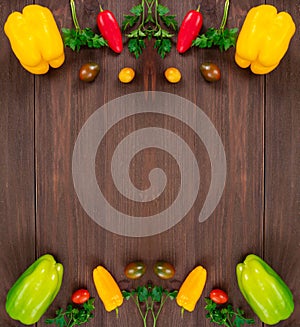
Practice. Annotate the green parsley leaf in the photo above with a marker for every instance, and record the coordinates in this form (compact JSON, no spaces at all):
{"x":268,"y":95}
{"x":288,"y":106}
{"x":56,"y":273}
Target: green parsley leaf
{"x":137,"y":10}
{"x":136,"y":46}
{"x":170,"y":21}
{"x":162,"y":10}
{"x":221,"y":37}
{"x":156,"y":293}
{"x":59,"y":320}
{"x":172,"y":295}
{"x":126,"y":295}
{"x":75,"y":39}
{"x":129,"y":21}
{"x":143,"y":293}
{"x":73,"y":316}
{"x":150,"y":15}
{"x":163,"y":46}
{"x":200,"y":41}
{"x":213,"y":37}
{"x":224,"y":315}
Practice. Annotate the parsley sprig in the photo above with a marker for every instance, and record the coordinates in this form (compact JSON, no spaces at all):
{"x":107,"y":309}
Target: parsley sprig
{"x":73,"y":316}
{"x":222,"y":37}
{"x":225,"y":315}
{"x":77,"y":38}
{"x":150,"y":15}
{"x":153,"y":297}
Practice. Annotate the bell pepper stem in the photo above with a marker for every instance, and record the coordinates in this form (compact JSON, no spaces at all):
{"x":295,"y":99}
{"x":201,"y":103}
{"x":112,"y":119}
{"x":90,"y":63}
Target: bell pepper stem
{"x":74,"y":16}
{"x":225,"y":15}
{"x":198,"y":8}
{"x":182,"y":312}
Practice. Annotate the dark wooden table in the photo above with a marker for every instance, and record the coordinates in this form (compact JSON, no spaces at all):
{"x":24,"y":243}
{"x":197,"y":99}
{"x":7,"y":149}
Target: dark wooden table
{"x":258,"y":120}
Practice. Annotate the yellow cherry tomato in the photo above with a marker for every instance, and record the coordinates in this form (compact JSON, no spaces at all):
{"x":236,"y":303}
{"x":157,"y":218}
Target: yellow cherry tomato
{"x":126,"y":75}
{"x":173,"y":75}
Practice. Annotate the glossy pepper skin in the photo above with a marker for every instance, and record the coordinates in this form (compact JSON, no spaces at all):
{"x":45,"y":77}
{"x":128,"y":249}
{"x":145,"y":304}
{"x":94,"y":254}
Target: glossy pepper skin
{"x":189,"y":30}
{"x":191,"y":289}
{"x":264,"y":39}
{"x":107,"y":289}
{"x":266,"y":293}
{"x":110,"y":30}
{"x":35,"y":290}
{"x":35,"y":39}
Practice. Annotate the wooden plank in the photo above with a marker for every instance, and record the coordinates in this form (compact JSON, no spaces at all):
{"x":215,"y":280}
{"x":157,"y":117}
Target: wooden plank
{"x":282,"y":223}
{"x":235,"y":228}
{"x":17,"y":212}
{"x":63,"y":104}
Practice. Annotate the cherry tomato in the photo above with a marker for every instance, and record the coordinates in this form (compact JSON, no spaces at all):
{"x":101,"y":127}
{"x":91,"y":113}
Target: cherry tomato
{"x":173,"y":75}
{"x":135,"y":270}
{"x":88,"y":72}
{"x":80,"y":296}
{"x":218,"y":296}
{"x":164,"y":270}
{"x":126,"y":75}
{"x":211,"y":72}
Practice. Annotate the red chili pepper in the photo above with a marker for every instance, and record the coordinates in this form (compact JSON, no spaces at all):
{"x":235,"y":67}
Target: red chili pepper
{"x":110,"y":30}
{"x":189,"y":30}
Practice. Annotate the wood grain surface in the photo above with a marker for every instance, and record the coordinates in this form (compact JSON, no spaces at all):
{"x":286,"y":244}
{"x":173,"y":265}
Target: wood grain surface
{"x":257,"y":118}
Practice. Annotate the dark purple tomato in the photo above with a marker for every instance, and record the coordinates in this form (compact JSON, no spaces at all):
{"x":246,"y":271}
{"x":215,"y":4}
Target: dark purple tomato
{"x":211,"y":72}
{"x":135,"y":270}
{"x":88,"y":72}
{"x":164,"y":270}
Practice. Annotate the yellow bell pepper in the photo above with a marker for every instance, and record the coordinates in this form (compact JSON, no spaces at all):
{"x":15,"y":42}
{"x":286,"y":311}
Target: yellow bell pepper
{"x":107,"y":289}
{"x":264,"y":39}
{"x":35,"y":39}
{"x":191,"y":289}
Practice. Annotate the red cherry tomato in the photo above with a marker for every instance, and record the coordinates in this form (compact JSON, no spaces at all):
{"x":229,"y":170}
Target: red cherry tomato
{"x":80,"y":296}
{"x":218,"y":296}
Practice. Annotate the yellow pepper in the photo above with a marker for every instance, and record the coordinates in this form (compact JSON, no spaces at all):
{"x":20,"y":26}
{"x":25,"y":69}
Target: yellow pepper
{"x":191,"y":289}
{"x":107,"y":289}
{"x":35,"y":39}
{"x":264,"y":39}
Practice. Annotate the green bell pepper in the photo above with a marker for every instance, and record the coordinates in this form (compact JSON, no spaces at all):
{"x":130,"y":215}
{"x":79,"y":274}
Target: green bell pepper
{"x":266,"y":293}
{"x":34,"y":291}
